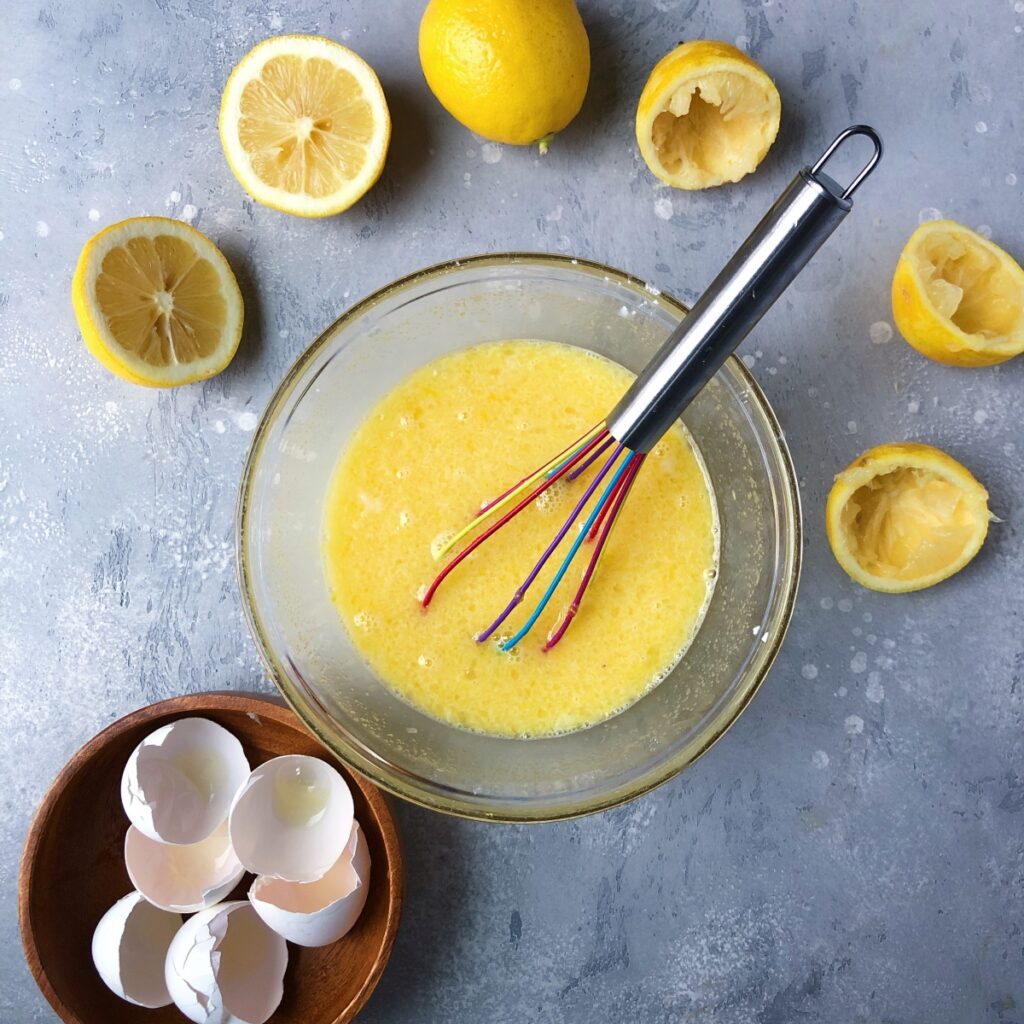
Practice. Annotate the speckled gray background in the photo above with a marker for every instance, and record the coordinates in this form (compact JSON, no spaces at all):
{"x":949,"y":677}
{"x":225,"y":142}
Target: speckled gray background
{"x":854,"y":849}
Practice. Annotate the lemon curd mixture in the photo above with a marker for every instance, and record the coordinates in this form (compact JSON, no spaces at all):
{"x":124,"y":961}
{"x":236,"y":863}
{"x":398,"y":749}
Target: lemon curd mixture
{"x":457,"y":433}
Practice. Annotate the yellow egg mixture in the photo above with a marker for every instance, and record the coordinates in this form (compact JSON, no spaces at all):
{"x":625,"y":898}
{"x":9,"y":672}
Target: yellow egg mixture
{"x":456,"y":433}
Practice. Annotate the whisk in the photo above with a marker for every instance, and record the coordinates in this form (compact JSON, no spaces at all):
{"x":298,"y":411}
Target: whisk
{"x":806,"y":213}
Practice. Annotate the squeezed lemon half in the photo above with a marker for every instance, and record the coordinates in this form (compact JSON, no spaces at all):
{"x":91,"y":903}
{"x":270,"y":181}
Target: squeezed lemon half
{"x":957,"y":297}
{"x":905,"y":516}
{"x":708,"y":115}
{"x":304,"y":125}
{"x":156,"y":302}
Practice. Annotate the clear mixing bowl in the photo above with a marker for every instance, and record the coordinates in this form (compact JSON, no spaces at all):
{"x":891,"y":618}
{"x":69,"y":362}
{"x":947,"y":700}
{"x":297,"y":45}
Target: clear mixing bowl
{"x":304,"y":645}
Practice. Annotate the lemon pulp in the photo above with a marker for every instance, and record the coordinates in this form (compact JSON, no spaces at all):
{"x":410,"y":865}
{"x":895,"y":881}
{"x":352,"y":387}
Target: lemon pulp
{"x":162,"y":300}
{"x":156,"y":302}
{"x":957,"y":297}
{"x":905,"y":516}
{"x":455,"y":434}
{"x":707,"y":115}
{"x":969,"y":286}
{"x":908,"y":523}
{"x":304,"y":125}
{"x":708,"y":124}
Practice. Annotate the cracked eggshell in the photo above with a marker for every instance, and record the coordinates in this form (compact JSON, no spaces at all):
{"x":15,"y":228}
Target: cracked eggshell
{"x":182,"y":878}
{"x":292,"y":819}
{"x":179,"y":782}
{"x":225,"y":966}
{"x":321,"y":912}
{"x":129,"y":948}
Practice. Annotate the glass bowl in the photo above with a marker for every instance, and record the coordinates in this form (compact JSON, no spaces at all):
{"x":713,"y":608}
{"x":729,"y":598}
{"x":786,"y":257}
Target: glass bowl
{"x":304,"y":645}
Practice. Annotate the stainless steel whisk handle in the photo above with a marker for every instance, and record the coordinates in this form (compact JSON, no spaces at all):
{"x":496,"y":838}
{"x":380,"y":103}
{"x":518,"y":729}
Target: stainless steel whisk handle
{"x":789,"y":234}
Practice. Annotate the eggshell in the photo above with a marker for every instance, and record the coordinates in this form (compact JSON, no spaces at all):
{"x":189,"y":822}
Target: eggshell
{"x":129,"y":947}
{"x":292,"y":819}
{"x":179,"y":782}
{"x":182,"y":878}
{"x":317,"y":913}
{"x":225,"y":966}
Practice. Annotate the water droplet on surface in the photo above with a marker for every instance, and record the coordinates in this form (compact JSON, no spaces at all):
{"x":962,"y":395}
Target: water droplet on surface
{"x":880,"y":332}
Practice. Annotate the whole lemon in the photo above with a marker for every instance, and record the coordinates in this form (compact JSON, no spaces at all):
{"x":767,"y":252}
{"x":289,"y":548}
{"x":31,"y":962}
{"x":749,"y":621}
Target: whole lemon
{"x":513,"y":71}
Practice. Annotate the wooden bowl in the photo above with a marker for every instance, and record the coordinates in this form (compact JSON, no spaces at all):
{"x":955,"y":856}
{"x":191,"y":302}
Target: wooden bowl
{"x":72,"y":871}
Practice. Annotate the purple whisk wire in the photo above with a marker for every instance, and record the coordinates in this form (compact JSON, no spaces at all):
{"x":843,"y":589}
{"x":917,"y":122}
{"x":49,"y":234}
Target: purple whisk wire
{"x":566,"y":526}
{"x":584,"y":466}
{"x":615,"y":503}
{"x":504,"y":494}
{"x":547,"y":482}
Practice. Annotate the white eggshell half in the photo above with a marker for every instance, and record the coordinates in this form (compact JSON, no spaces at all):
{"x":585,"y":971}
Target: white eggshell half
{"x":182,"y":878}
{"x":321,"y":912}
{"x":225,"y":966}
{"x":129,"y":947}
{"x":179,"y":782}
{"x":292,"y":819}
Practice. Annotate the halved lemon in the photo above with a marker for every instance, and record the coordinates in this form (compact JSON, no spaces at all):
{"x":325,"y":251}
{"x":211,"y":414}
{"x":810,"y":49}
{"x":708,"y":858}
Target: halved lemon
{"x":707,"y":115}
{"x":304,"y":125}
{"x":957,"y":297}
{"x":905,"y":516}
{"x":156,"y":302}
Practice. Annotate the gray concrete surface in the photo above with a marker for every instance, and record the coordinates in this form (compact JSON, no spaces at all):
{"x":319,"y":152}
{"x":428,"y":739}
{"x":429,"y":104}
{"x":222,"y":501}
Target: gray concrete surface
{"x":853,"y":850}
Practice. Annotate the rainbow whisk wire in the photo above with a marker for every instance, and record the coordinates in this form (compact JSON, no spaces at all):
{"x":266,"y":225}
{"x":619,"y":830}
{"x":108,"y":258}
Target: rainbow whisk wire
{"x":619,"y":469}
{"x":789,"y":234}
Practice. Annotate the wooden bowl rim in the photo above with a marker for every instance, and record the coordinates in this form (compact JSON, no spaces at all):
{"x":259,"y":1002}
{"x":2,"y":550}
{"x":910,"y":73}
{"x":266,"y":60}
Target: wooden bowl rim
{"x":265,"y":706}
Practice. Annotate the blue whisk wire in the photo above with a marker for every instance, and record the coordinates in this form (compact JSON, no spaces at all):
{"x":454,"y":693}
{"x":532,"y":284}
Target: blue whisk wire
{"x":576,"y":545}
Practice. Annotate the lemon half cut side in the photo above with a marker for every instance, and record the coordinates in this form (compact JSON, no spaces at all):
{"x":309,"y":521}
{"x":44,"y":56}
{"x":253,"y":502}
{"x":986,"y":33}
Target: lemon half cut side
{"x":707,"y":115}
{"x":905,"y":516}
{"x":957,"y":297}
{"x":156,"y":302}
{"x":304,"y":125}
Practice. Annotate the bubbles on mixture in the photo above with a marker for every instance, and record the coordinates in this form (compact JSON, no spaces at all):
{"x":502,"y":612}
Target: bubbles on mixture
{"x":553,"y":498}
{"x":438,"y":544}
{"x":425,"y":661}
{"x":503,"y":638}
{"x":364,"y":621}
{"x":405,"y":422}
{"x":462,"y":416}
{"x":421,"y":592}
{"x":404,"y":518}
{"x":369,"y":502}
{"x":659,"y":678}
{"x":402,"y":473}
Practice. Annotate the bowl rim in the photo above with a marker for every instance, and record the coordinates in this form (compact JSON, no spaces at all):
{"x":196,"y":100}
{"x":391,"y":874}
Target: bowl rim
{"x":376,"y":768}
{"x":265,"y":705}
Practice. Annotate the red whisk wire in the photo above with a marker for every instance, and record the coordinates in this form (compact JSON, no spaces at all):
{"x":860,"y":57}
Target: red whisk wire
{"x":615,"y":502}
{"x":494,"y":527}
